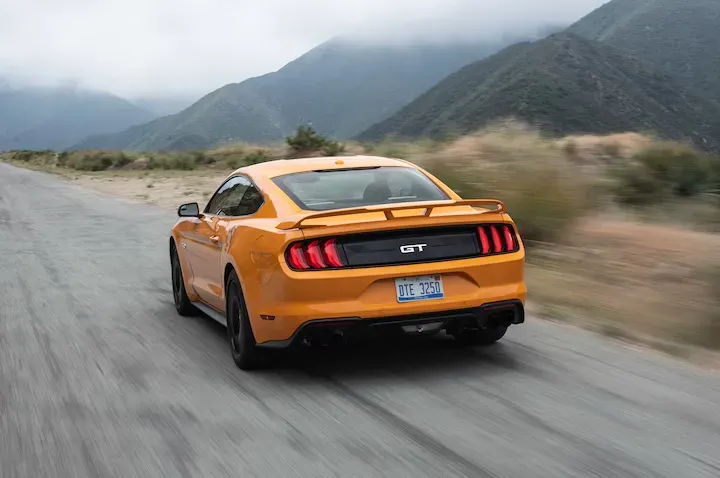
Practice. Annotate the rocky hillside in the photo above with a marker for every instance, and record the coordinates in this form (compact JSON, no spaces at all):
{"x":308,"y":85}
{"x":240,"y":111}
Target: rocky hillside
{"x":563,"y":84}
{"x":681,"y":37}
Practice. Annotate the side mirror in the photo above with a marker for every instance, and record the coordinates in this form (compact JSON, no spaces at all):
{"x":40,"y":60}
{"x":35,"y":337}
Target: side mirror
{"x":190,"y":209}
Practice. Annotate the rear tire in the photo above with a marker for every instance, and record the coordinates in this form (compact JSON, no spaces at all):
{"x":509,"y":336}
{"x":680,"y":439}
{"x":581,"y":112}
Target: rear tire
{"x":242,"y":343}
{"x":480,"y":336}
{"x":182,"y":303}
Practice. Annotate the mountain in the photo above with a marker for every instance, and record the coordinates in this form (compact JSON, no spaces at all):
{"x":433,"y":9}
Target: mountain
{"x":163,"y":105}
{"x":564,"y":84}
{"x":56,"y":118}
{"x":339,"y":87}
{"x":682,"y":37}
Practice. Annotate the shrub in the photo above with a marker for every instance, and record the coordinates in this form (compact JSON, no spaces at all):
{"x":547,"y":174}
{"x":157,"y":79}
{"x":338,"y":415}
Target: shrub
{"x":333,"y":148}
{"x":201,"y":158}
{"x":635,"y":185}
{"x":181,"y":161}
{"x":685,"y":170}
{"x":27,"y":155}
{"x":121,"y":160}
{"x":158,"y":161}
{"x":24,"y":155}
{"x":234,"y":161}
{"x":255,"y":157}
{"x":664,"y":170}
{"x":62,"y":159}
{"x":154,"y":161}
{"x":89,"y":160}
{"x":172,"y":161}
{"x":93,"y":160}
{"x":306,"y":139}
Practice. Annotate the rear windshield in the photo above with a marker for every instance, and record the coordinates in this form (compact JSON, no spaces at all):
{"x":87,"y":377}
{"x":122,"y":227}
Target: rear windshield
{"x":357,"y":187}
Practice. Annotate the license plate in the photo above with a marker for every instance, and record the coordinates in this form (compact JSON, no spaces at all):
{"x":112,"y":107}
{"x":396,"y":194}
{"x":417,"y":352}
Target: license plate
{"x":409,"y":289}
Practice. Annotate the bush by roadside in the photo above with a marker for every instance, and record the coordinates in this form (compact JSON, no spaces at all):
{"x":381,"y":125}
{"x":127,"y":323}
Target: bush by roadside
{"x":663,"y":171}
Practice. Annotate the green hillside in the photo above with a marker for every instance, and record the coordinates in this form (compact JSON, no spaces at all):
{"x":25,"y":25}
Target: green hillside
{"x":56,"y":118}
{"x":339,"y":87}
{"x":563,"y":84}
{"x":682,"y":37}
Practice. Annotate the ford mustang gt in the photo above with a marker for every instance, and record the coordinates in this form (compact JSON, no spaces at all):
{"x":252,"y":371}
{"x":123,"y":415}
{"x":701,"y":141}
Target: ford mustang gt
{"x":307,"y":250}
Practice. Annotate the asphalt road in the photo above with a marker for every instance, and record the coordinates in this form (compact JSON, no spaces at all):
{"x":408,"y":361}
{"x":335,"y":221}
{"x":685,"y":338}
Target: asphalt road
{"x":100,"y":377}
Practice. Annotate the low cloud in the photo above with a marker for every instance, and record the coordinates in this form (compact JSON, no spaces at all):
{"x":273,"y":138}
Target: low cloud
{"x":148,"y":47}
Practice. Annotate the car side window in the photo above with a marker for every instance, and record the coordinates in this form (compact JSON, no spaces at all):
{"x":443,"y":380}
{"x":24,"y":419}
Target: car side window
{"x":227,"y":196}
{"x":250,"y":202}
{"x":237,"y":197}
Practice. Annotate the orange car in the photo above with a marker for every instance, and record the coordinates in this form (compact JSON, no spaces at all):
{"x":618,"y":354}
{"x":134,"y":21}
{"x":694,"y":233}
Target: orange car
{"x":306,"y":250}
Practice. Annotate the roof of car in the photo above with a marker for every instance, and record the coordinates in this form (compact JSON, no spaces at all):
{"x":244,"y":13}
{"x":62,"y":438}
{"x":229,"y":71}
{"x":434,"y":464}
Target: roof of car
{"x":271,"y":169}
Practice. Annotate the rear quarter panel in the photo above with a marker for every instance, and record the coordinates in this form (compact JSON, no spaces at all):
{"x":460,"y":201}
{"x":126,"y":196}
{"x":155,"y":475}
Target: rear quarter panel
{"x":254,"y":250}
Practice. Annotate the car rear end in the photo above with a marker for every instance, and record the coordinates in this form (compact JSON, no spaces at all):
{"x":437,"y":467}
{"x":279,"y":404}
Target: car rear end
{"x":420,"y":265}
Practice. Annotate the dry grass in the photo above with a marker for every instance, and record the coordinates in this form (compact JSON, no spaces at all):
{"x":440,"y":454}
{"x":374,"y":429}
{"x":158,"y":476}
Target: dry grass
{"x":590,"y":148}
{"x":652,"y":283}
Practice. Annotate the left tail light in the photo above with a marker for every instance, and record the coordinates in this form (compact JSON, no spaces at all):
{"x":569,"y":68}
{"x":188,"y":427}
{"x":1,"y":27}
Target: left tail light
{"x":315,"y":254}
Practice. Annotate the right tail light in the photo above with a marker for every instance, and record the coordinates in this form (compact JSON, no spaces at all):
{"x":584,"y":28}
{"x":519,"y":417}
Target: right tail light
{"x":497,"y":239}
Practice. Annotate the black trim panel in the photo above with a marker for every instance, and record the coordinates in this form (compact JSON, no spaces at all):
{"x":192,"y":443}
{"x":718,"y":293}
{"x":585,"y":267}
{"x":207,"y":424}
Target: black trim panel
{"x":480,"y":314}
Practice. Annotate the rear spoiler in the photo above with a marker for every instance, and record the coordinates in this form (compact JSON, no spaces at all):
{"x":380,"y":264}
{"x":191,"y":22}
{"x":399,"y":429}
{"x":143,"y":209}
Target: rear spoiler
{"x":388,"y":209}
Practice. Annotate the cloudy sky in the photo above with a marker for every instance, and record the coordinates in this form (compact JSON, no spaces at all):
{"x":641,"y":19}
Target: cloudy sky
{"x":147,"y":47}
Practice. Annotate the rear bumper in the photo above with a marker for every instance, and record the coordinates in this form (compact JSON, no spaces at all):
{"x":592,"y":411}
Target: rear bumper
{"x":506,"y":313}
{"x":282,"y":301}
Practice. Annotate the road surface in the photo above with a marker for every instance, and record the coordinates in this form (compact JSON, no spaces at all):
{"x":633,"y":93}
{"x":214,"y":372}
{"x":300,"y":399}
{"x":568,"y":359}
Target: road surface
{"x":100,"y":377}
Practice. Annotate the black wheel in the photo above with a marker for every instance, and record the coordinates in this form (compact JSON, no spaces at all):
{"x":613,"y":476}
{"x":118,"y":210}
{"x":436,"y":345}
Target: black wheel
{"x":240,"y":335}
{"x":480,"y":336}
{"x":182,"y":302}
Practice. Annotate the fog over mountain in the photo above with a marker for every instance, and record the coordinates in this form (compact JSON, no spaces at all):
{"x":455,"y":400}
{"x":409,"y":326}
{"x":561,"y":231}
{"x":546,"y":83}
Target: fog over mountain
{"x":143,"y":48}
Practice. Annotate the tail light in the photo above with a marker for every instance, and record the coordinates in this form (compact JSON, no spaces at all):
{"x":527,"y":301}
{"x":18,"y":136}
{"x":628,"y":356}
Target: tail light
{"x":497,"y":239}
{"x":315,"y":254}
